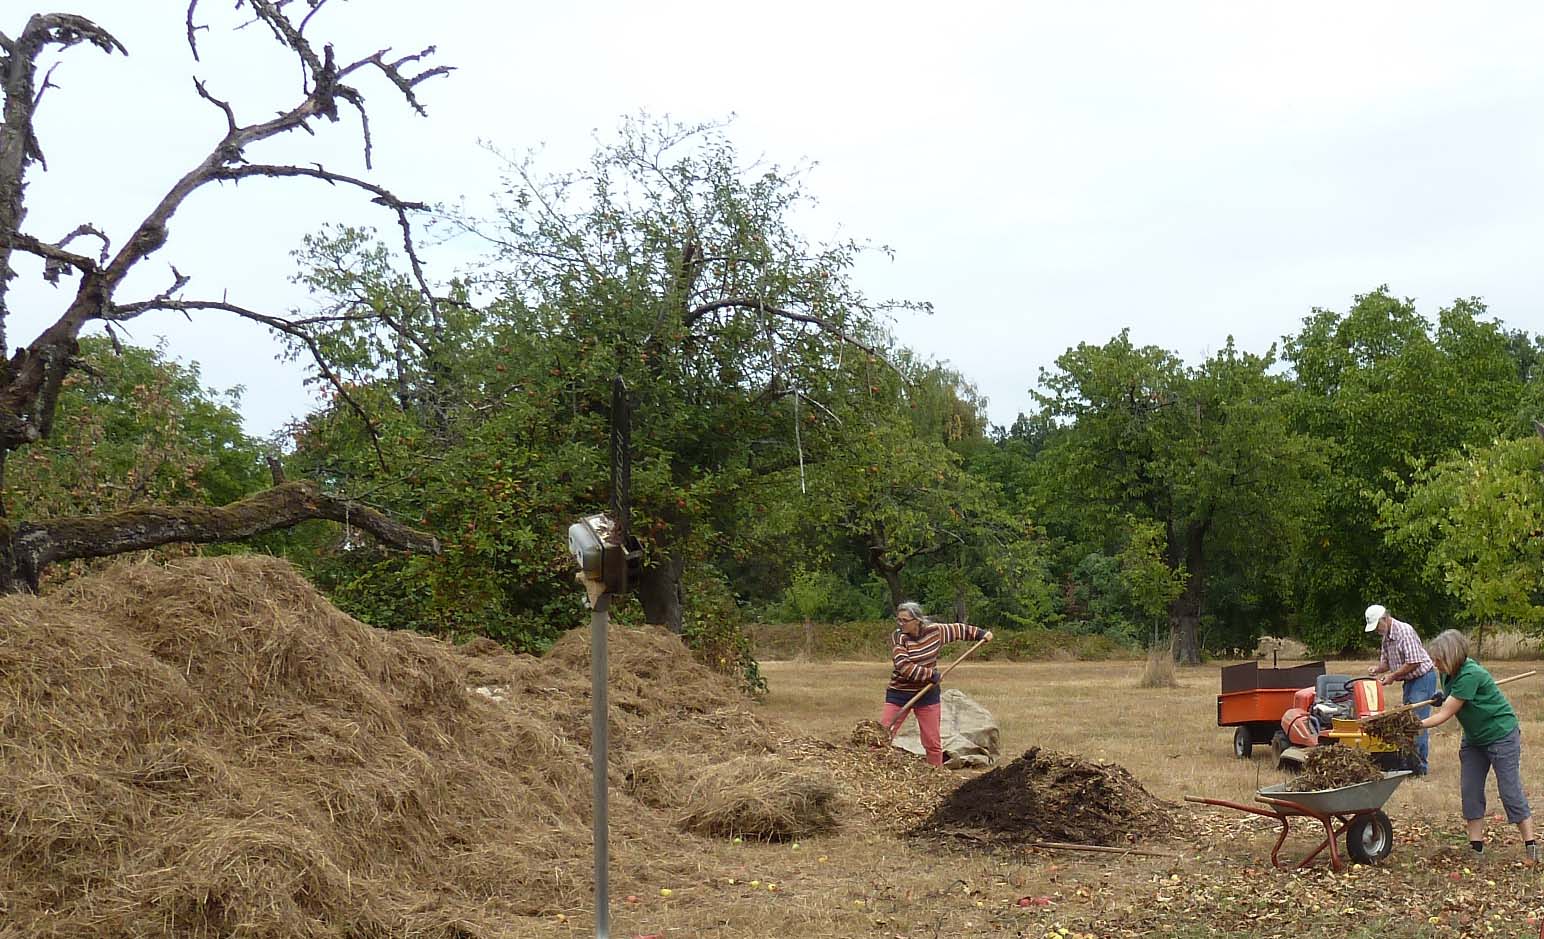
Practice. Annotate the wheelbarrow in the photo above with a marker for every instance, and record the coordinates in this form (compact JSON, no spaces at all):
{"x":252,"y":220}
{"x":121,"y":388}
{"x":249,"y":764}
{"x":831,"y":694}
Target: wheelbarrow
{"x":1353,"y":811}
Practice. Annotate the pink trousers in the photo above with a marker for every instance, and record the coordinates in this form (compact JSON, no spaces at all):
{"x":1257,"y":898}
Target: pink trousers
{"x":927,"y":723}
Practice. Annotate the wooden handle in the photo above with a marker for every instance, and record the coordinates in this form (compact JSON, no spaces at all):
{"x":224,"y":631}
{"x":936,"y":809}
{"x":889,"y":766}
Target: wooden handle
{"x":1099,"y":848}
{"x":900,"y":716}
{"x":1406,"y":707}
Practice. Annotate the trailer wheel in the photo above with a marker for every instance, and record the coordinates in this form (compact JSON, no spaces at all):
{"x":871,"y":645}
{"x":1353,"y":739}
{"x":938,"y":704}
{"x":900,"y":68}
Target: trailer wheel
{"x":1370,"y":837}
{"x":1243,"y":743}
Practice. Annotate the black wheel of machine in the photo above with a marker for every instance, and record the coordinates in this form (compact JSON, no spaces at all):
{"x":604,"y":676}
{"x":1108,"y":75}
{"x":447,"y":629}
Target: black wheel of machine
{"x":1370,"y":838}
{"x":1243,"y":743}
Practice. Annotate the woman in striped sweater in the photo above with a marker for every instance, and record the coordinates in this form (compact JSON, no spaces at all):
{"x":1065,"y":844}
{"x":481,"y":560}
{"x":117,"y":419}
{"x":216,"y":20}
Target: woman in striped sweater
{"x":915,"y":645}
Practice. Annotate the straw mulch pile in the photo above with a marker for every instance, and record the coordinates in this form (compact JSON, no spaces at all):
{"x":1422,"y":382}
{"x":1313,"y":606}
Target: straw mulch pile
{"x":760,"y":797}
{"x":211,"y":749}
{"x":1330,"y":767}
{"x":1049,"y":796}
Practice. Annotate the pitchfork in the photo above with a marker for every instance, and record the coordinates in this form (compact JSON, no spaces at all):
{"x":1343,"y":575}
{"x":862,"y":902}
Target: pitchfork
{"x":1416,"y":704}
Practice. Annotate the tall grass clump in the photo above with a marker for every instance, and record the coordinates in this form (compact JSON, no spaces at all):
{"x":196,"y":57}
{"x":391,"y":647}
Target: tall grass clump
{"x":1159,"y":671}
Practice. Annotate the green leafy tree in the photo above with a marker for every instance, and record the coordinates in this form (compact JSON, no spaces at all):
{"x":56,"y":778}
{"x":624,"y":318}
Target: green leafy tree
{"x":136,"y":429}
{"x":884,"y":479}
{"x":673,"y":264}
{"x":1477,"y":522}
{"x":1383,"y":391}
{"x":665,"y":261}
{"x":1151,"y":584}
{"x":1205,"y":453}
{"x":811,"y":593}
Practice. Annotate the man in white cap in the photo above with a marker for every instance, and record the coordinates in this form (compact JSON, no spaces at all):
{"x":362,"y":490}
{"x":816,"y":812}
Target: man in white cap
{"x":1404,"y":659}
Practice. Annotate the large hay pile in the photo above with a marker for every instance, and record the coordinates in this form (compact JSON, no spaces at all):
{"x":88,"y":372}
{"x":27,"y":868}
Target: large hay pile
{"x":212,"y":749}
{"x":1049,"y":796}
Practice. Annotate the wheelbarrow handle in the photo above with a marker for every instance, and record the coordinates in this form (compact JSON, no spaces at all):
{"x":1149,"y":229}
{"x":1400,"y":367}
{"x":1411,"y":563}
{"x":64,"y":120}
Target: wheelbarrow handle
{"x":1230,"y":804}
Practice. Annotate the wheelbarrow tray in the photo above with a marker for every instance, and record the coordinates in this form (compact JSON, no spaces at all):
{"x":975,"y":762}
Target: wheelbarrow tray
{"x":1361,"y":797}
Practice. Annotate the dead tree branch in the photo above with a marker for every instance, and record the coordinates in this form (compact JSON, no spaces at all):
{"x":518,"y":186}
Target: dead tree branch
{"x":26,"y":379}
{"x":83,"y":229}
{"x":756,"y":305}
{"x":294,"y":329}
{"x":19,"y":145}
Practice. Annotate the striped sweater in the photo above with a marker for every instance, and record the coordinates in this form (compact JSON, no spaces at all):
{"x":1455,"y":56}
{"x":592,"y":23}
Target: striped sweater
{"x":913,"y":660}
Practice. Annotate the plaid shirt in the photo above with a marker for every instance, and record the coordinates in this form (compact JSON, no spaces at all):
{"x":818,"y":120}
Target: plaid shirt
{"x":1403,"y":647}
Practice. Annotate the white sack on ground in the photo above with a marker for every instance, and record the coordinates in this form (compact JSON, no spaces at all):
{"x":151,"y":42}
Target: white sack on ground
{"x":969,"y":732}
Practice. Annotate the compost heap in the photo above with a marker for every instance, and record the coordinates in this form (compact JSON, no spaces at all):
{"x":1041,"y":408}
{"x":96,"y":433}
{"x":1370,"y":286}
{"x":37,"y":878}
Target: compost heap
{"x":1330,"y":767}
{"x":1049,"y":796}
{"x":210,"y":748}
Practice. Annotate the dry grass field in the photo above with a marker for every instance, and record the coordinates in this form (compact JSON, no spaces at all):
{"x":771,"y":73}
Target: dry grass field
{"x":1167,"y":737}
{"x":875,"y":882}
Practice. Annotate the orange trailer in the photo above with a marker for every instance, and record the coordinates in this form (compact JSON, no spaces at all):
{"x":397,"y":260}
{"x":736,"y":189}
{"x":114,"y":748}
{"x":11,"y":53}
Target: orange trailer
{"x":1253,"y":700}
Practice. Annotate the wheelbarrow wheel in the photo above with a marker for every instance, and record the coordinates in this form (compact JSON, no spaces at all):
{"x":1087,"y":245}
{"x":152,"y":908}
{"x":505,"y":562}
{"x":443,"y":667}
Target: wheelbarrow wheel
{"x":1243,"y":743}
{"x":1370,"y":837}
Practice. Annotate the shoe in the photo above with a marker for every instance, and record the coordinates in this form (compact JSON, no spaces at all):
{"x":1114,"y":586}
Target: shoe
{"x":1533,"y":854}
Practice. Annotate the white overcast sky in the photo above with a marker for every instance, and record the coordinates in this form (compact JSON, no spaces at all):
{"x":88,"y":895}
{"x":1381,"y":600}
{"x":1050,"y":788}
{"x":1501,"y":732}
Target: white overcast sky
{"x":1047,"y":173}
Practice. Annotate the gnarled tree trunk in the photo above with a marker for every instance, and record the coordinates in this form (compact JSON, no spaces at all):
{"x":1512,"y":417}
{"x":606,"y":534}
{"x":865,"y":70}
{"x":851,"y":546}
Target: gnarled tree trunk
{"x":26,"y":550}
{"x":1185,"y":613}
{"x":890,"y":570}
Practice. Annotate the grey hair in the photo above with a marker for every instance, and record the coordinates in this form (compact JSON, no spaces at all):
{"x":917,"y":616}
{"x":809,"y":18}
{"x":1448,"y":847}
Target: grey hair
{"x":915,"y":609}
{"x":1449,"y":650}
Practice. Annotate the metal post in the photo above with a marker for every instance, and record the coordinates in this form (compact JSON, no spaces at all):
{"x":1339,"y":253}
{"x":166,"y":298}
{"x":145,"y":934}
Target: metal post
{"x":600,"y":621}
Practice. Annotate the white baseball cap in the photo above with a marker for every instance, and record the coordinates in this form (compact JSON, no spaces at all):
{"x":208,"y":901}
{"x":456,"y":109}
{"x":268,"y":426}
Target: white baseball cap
{"x":1375,"y":613}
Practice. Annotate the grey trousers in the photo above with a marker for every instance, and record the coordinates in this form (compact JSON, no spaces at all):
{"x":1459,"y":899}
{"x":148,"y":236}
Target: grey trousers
{"x":1504,"y":756}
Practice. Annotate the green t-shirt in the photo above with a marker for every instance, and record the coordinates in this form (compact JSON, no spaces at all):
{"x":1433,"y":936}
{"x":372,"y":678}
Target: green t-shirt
{"x":1487,"y":715}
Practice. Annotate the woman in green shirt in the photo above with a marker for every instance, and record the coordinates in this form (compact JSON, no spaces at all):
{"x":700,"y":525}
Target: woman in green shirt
{"x":1493,"y":740}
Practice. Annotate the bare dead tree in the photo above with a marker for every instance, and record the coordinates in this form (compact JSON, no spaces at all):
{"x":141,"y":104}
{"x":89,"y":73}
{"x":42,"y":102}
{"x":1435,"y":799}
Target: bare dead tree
{"x":32,"y":375}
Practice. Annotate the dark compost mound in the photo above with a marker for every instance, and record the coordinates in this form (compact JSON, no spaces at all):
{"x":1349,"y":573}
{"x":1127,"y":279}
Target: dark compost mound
{"x":1049,"y":796}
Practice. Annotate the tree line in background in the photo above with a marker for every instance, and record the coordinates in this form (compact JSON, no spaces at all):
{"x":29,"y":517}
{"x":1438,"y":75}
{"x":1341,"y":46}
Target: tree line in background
{"x":793,"y":462}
